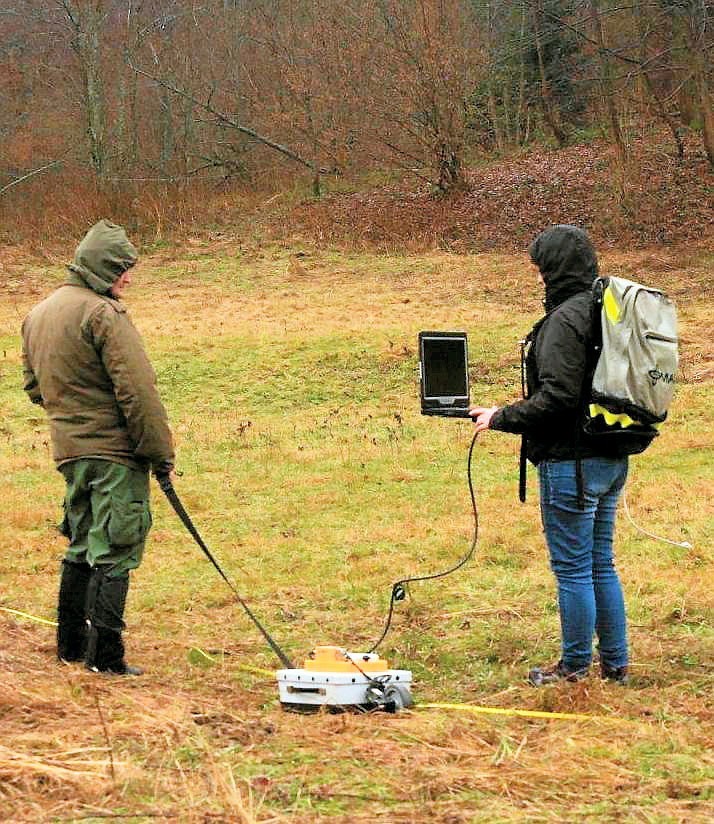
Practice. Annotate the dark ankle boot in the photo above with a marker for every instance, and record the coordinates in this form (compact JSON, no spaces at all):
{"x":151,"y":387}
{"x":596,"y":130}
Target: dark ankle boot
{"x":105,"y":610}
{"x":71,"y":615}
{"x":617,"y":674}
{"x":542,"y":676}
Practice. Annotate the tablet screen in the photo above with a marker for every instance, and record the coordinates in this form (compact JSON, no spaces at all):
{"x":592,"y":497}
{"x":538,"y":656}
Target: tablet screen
{"x":444,"y":366}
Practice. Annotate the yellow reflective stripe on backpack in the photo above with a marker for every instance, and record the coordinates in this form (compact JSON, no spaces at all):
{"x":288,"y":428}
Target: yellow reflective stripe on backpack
{"x":610,"y":417}
{"x":613,"y":312}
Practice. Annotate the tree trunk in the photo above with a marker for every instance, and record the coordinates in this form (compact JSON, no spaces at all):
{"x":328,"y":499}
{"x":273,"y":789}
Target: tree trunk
{"x":606,"y":84}
{"x":490,"y":94}
{"x":650,"y":87}
{"x":521,"y":81}
{"x":493,"y":114}
{"x":664,"y":114}
{"x":697,"y":30}
{"x":506,"y":103}
{"x":688,"y":108}
{"x":126,"y":128}
{"x":705,"y":109}
{"x":549,"y":112}
{"x":88,"y":21}
{"x":189,"y":135}
{"x":166,"y":124}
{"x":449,"y":169}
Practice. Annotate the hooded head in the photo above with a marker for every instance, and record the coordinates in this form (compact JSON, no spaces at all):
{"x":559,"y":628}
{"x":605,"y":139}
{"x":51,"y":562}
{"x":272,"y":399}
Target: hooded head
{"x":567,"y":261}
{"x":103,"y":255}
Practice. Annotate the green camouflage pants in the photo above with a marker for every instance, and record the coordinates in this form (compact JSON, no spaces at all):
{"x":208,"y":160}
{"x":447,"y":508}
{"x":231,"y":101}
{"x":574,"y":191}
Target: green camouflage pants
{"x":106,"y":514}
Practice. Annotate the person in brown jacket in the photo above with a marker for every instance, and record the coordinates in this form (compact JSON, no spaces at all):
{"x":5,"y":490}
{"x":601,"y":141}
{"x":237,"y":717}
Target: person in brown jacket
{"x":85,"y":363}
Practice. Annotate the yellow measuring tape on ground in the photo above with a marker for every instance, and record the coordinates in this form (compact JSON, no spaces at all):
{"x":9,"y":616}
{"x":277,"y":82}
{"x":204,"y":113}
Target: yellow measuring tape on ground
{"x":568,"y":716}
{"x":473,"y":708}
{"x":29,"y":617}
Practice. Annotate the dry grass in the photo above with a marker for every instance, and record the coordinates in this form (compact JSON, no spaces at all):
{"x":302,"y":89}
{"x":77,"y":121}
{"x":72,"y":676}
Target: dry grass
{"x":655,"y":199}
{"x":315,"y":505}
{"x":169,"y":751}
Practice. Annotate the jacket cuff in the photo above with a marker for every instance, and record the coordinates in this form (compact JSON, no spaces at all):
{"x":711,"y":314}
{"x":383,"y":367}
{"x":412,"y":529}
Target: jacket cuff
{"x":497,"y":420}
{"x":162,"y":467}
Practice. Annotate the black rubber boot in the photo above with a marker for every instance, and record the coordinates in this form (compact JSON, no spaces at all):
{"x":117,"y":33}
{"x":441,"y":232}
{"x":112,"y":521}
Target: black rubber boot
{"x":71,"y":613}
{"x":105,"y":609}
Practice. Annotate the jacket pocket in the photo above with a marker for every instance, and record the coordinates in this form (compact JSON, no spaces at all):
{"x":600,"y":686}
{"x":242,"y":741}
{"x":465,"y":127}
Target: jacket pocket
{"x":129,"y":523}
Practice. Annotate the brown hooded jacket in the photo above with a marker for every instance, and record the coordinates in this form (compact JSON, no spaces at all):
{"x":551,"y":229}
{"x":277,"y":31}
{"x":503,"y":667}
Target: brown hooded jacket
{"x":84,"y":362}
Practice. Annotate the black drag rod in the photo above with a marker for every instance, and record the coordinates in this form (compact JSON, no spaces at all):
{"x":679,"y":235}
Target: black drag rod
{"x":168,"y":490}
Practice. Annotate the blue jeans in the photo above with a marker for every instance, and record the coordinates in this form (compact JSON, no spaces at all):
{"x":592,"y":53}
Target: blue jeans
{"x":580,"y":544}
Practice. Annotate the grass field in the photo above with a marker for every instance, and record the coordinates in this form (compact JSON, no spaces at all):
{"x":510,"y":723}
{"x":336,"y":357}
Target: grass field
{"x":290,"y":379}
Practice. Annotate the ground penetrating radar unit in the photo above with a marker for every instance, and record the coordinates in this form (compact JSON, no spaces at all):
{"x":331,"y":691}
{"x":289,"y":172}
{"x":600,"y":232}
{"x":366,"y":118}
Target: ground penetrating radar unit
{"x":334,"y":678}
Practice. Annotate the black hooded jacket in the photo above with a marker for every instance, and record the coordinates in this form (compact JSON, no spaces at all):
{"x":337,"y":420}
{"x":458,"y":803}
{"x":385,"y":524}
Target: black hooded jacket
{"x":559,"y":356}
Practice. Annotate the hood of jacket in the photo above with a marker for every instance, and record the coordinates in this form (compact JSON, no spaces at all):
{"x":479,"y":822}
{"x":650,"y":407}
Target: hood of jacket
{"x":567,"y":260}
{"x":102,"y":256}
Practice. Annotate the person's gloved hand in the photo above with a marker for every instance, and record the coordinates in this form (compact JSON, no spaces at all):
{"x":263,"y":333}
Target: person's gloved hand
{"x":165,"y":475}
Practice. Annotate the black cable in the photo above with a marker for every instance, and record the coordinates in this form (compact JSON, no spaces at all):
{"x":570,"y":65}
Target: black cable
{"x":168,"y":490}
{"x":398,"y":590}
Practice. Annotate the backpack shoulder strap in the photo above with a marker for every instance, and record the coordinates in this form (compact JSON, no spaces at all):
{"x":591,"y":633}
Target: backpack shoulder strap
{"x":522,"y":458}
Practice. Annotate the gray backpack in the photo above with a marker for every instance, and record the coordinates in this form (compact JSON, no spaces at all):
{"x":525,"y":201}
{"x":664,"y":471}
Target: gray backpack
{"x":635,"y":363}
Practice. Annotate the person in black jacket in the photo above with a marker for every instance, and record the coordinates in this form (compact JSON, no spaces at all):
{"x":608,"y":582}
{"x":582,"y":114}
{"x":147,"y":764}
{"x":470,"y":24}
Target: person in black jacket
{"x":579,"y":484}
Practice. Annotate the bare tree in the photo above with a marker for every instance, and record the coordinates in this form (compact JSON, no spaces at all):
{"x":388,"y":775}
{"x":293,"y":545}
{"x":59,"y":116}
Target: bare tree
{"x":86,"y":19}
{"x":653,"y":63}
{"x":550,"y":111}
{"x":606,"y":80}
{"x":700,"y":39}
{"x":414,"y":63}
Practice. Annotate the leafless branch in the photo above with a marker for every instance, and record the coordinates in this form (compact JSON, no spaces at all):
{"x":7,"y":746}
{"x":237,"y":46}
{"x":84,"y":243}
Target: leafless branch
{"x":30,"y":174}
{"x":227,"y":120}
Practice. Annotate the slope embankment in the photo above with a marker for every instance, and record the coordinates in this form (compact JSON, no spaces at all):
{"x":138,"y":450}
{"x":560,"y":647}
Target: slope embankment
{"x":655,"y":199}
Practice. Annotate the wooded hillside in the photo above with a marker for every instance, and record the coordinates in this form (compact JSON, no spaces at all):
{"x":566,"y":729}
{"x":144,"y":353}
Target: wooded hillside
{"x":135,"y":106}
